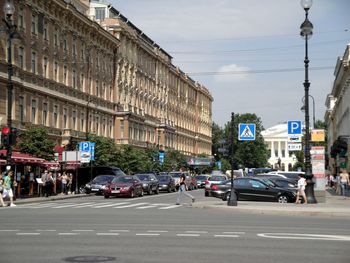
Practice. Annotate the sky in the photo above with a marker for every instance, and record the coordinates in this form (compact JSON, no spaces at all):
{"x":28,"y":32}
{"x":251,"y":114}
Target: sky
{"x":249,"y":53}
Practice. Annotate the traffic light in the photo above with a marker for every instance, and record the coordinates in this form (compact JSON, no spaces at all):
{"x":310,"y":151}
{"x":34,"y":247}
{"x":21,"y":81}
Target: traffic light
{"x":5,"y":136}
{"x":13,"y":136}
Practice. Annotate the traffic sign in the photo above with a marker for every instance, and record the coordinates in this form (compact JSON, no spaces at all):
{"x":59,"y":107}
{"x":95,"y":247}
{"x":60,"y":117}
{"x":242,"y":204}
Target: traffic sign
{"x":294,"y":137}
{"x":294,"y":127}
{"x":246,"y":132}
{"x":294,"y":147}
{"x":87,"y":150}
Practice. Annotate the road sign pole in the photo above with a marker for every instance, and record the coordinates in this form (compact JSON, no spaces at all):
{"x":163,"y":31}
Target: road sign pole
{"x":232,"y":201}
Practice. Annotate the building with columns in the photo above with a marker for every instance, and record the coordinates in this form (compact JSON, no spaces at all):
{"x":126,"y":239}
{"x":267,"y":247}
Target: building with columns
{"x":276,"y":139}
{"x":75,"y":74}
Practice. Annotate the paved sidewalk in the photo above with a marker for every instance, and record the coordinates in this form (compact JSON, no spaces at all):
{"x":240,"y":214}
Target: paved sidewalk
{"x":335,"y":206}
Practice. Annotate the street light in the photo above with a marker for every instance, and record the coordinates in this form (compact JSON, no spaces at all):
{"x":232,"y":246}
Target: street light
{"x":9,"y":10}
{"x":313,"y":109}
{"x":306,"y":32}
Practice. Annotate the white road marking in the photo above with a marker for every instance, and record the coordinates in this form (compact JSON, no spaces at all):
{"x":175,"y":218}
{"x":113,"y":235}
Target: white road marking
{"x":68,"y":234}
{"x":46,"y":230}
{"x":131,"y":205}
{"x":238,"y":233}
{"x":67,"y":205}
{"x":27,"y":234}
{"x":147,"y":234}
{"x":107,"y":234}
{"x":197,"y":232}
{"x":9,"y":230}
{"x":86,"y":205}
{"x":226,"y":235}
{"x":145,"y":207}
{"x":188,"y":235}
{"x":82,"y":230}
{"x":305,"y":236}
{"x":170,"y":207}
{"x":111,"y":204}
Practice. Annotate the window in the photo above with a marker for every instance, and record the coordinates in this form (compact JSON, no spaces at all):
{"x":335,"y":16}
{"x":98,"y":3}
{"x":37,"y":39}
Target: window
{"x":74,"y":47}
{"x":100,"y":13}
{"x":45,"y":66}
{"x":97,"y":89}
{"x":46,"y":29}
{"x":55,"y":115}
{"x":121,"y":129}
{"x":97,"y":123}
{"x":65,"y":72}
{"x":65,"y":44}
{"x":55,"y":73}
{"x":82,"y":120}
{"x":55,"y":38}
{"x":65,"y":118}
{"x":34,"y":106}
{"x":34,"y":24}
{"x":45,"y":112}
{"x":21,"y":108}
{"x":82,"y":80}
{"x":74,"y":119}
{"x":33,"y":62}
{"x":74,"y":79}
{"x":21,"y":57}
{"x":21,"y":18}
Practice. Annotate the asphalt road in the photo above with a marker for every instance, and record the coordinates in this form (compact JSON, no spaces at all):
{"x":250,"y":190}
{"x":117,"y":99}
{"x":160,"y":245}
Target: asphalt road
{"x":153,"y":229}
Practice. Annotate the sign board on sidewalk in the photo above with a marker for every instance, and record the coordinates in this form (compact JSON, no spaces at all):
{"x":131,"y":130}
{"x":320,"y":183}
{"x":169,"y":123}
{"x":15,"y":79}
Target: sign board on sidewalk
{"x":246,"y":132}
{"x":317,"y":135}
{"x":294,"y":147}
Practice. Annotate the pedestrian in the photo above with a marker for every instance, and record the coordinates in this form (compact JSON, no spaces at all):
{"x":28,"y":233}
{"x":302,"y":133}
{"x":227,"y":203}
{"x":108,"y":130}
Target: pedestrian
{"x":69,"y":183}
{"x":64,"y":179}
{"x":1,"y":191}
{"x":7,"y":189}
{"x":344,"y":181}
{"x":182,"y":189}
{"x":47,"y":183}
{"x":301,"y":190}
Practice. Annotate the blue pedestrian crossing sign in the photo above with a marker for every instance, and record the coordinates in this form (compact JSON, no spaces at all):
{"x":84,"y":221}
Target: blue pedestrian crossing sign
{"x":246,"y":132}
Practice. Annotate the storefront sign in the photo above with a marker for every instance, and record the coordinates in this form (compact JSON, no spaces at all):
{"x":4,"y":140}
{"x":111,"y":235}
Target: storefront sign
{"x":317,"y":135}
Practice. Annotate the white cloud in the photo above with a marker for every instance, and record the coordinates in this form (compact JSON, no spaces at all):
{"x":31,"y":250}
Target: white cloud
{"x":232,"y":72}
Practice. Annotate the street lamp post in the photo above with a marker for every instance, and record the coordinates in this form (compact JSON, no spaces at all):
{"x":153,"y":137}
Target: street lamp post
{"x":306,"y":32}
{"x":9,"y":10}
{"x":232,"y":201}
{"x":313,"y":109}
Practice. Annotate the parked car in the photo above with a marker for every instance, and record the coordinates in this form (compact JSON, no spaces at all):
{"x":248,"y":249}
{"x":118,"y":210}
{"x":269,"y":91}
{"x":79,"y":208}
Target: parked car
{"x":124,"y":186}
{"x":150,"y":183}
{"x":188,"y":179}
{"x":255,"y":189}
{"x":287,"y":174}
{"x":166,"y":183}
{"x":201,"y":180}
{"x":281,"y":182}
{"x":97,"y":184}
{"x":214,"y":179}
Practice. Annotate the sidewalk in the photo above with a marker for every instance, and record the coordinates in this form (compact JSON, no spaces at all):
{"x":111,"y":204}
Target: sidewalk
{"x":335,"y":206}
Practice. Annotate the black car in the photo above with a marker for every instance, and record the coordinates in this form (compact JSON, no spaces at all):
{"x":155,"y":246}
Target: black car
{"x":166,"y":183}
{"x":150,"y":183}
{"x":98,"y":183}
{"x":254,"y":189}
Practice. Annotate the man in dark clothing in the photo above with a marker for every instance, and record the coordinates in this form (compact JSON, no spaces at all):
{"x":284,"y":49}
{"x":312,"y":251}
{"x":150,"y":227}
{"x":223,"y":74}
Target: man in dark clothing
{"x":182,"y":190}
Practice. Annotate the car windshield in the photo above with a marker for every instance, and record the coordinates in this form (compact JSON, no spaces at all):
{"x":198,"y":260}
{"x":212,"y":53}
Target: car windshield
{"x":143,"y":177}
{"x":123,"y":179}
{"x":217,"y":178}
{"x":102,"y":179}
{"x":163,"y":178}
{"x":268,"y":182}
{"x":175,"y":175}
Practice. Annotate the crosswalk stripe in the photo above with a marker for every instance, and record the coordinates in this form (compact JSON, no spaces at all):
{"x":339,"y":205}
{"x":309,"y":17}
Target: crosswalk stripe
{"x":67,"y":205}
{"x":132,"y":205}
{"x":169,"y":207}
{"x":145,"y":207}
{"x":111,"y":204}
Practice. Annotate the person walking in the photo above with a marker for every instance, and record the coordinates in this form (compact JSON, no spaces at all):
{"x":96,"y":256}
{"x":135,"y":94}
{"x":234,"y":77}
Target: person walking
{"x":301,"y":190}
{"x":7,"y":187}
{"x":1,"y":191}
{"x":64,"y":179}
{"x":182,"y":190}
{"x":344,"y":182}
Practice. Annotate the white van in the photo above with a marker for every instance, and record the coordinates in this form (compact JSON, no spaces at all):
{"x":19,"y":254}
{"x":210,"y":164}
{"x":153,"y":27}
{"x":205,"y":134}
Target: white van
{"x":236,"y":173}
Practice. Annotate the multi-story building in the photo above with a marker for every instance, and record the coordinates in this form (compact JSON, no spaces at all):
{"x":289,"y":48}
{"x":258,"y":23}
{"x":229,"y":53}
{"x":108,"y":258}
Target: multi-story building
{"x":77,"y":75}
{"x":337,"y":116}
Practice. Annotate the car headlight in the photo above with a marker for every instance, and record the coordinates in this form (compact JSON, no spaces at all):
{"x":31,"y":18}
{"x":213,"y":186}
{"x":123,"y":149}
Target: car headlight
{"x":144,"y":185}
{"x":126,"y":188}
{"x":88,"y":186}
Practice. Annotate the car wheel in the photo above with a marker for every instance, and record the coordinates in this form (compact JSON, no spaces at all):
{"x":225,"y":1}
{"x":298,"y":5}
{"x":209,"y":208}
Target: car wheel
{"x":225,"y":197}
{"x":283,"y":199}
{"x":141,"y":193}
{"x":157,"y":191}
{"x":132,"y":194}
{"x":150,"y":192}
{"x":206,"y":193}
{"x":106,"y":196}
{"x":169,"y":189}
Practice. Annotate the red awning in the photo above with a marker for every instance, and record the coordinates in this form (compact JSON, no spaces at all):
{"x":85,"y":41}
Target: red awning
{"x":52,"y":165}
{"x":18,"y":157}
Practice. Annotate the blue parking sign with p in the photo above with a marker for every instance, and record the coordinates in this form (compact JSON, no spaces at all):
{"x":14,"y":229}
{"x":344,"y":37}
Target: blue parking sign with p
{"x":294,"y":127}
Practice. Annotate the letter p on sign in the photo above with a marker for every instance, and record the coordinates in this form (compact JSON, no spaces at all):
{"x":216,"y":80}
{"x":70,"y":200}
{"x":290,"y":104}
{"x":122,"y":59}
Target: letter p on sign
{"x":294,"y":127}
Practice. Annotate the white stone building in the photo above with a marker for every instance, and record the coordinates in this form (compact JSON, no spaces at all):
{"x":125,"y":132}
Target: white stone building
{"x":276,"y":138}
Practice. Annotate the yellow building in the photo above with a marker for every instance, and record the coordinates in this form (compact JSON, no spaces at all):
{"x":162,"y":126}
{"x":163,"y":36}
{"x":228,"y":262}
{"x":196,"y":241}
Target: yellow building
{"x":75,"y":75}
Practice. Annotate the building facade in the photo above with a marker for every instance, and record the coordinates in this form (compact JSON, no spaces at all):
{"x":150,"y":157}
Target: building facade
{"x":337,"y":116}
{"x":276,"y":138}
{"x":75,"y":75}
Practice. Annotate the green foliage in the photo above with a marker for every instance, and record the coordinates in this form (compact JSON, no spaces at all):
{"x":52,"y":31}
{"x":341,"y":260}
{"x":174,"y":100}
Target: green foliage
{"x":35,"y":141}
{"x":105,"y":151}
{"x":246,"y":153}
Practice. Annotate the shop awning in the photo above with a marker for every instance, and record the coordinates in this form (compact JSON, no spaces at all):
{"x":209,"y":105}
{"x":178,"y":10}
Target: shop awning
{"x":19,"y":157}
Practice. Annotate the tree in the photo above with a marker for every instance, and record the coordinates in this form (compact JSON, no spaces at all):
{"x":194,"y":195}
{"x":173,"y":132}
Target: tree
{"x":105,"y":151}
{"x":247,"y":153}
{"x":35,"y":141}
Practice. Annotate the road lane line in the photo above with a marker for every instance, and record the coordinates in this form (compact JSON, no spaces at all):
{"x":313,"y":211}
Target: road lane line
{"x":27,"y":234}
{"x":68,"y":234}
{"x":157,"y":231}
{"x":147,"y":234}
{"x":145,"y":207}
{"x":197,"y":232}
{"x":67,"y":205}
{"x":169,"y":207}
{"x":238,"y":233}
{"x":303,"y":236}
{"x":107,"y":234}
{"x":226,"y":235}
{"x":120,"y":230}
{"x":82,"y":230}
{"x":111,"y":204}
{"x":188,"y":235}
{"x":46,"y":230}
{"x":9,"y":230}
